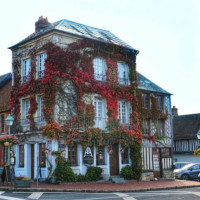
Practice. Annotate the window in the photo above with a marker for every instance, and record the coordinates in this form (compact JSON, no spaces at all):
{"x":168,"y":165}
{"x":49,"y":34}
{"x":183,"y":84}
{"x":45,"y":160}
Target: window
{"x":72,"y":155}
{"x":147,"y":130}
{"x":41,"y":62}
{"x":25,"y":109}
{"x":41,"y":116}
{"x":125,"y":157}
{"x":25,"y":70}
{"x":99,"y":69}
{"x":146,"y":100}
{"x":160,"y":101}
{"x":42,"y":155}
{"x":2,"y":123}
{"x":165,"y":152}
{"x":123,"y":73}
{"x":123,"y":112}
{"x":195,"y":167}
{"x":161,"y":127}
{"x":100,"y":155}
{"x":99,"y":112}
{"x":21,"y":155}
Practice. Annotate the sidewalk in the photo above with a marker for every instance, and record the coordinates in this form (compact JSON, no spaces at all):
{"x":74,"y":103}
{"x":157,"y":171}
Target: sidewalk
{"x":130,"y":186}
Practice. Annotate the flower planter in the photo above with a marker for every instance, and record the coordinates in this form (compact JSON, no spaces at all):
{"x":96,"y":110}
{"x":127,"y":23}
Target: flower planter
{"x":6,"y":144}
{"x":22,"y":184}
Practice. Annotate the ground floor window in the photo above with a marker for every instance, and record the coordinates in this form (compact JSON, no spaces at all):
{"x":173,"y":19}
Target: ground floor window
{"x":124,"y":155}
{"x":42,"y":155}
{"x":21,"y":155}
{"x":100,"y":156}
{"x":72,"y":155}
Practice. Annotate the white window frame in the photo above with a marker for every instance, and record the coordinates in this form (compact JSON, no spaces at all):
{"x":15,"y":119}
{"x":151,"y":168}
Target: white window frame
{"x":99,"y":105}
{"x":99,"y":69}
{"x":40,"y":65}
{"x":124,"y":112}
{"x":123,"y":73}
{"x":26,"y":68}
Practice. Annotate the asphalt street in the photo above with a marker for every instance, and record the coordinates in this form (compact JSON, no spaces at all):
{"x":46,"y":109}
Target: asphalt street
{"x":176,"y":194}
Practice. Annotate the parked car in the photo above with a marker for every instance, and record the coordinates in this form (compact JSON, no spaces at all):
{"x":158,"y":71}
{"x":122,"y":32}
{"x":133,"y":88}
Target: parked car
{"x":189,"y":171}
{"x":179,"y":165}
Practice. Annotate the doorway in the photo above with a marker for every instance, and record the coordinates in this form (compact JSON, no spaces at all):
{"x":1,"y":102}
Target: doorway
{"x":114,"y":160}
{"x":32,"y":161}
{"x":156,"y":163}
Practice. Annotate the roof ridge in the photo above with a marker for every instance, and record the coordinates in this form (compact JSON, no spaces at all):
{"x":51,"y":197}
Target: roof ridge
{"x":187,"y":115}
{"x":82,"y":24}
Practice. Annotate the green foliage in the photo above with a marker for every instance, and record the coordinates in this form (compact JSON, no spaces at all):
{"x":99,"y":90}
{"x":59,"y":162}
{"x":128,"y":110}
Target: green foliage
{"x":127,"y":172}
{"x":63,"y":171}
{"x":136,"y":158}
{"x":132,"y":74}
{"x":94,"y":173}
{"x":81,"y":178}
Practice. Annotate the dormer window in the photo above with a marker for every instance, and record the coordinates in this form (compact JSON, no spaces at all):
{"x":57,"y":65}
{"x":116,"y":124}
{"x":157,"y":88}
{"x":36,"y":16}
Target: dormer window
{"x":41,"y":67}
{"x":123,"y":73}
{"x":26,"y":68}
{"x":160,"y":101}
{"x":99,"y":69}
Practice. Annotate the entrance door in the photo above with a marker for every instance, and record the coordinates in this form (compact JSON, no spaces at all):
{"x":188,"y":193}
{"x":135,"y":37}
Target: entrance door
{"x":114,"y":160}
{"x":156,"y":163}
{"x":32,"y":161}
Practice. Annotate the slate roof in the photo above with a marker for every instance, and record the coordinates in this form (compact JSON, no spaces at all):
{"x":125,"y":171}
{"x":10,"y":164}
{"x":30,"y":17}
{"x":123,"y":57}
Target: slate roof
{"x":4,"y":79}
{"x":186,"y":126}
{"x":80,"y":30}
{"x":147,"y":85}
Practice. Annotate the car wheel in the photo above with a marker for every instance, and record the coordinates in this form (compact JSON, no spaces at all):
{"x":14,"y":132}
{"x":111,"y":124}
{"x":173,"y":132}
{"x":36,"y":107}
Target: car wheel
{"x":185,"y":177}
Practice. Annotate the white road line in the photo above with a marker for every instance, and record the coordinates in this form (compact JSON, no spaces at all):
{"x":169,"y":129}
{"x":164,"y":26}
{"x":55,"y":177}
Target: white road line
{"x":1,"y":192}
{"x":125,"y":196}
{"x":35,"y":195}
{"x":9,"y":198}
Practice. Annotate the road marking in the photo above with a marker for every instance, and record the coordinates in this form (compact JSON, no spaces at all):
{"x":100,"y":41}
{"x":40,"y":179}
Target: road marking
{"x":9,"y":198}
{"x":1,"y":192}
{"x":35,"y":195}
{"x":195,"y":193}
{"x":125,"y":196}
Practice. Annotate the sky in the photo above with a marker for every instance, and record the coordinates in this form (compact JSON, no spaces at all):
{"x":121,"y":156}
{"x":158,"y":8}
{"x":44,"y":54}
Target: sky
{"x":166,"y":32}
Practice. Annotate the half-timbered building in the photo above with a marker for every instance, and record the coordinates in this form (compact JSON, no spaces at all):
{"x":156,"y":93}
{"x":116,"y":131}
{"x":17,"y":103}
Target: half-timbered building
{"x":185,"y":129}
{"x":157,"y":157}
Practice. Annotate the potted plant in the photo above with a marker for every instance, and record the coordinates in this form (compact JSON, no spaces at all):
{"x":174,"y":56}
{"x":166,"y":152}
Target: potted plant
{"x":22,"y":182}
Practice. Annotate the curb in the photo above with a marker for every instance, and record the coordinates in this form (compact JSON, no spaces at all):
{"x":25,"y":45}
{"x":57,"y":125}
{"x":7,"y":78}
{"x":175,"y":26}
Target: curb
{"x":90,"y":191}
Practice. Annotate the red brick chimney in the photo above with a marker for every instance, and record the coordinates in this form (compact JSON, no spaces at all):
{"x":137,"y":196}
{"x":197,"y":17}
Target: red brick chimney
{"x":174,"y":111}
{"x":41,"y":23}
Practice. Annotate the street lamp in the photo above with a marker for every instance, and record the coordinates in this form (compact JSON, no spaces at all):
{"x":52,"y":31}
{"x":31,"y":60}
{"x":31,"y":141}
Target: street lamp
{"x":9,"y":122}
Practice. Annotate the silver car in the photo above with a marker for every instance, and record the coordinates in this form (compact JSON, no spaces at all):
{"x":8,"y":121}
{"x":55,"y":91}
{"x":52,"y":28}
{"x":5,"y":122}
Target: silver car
{"x":189,"y":171}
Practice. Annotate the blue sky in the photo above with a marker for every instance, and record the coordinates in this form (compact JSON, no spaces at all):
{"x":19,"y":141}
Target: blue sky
{"x":166,"y":32}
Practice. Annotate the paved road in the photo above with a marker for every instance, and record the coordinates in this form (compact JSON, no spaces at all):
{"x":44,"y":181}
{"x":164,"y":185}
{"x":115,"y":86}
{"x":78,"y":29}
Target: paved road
{"x":176,"y":194}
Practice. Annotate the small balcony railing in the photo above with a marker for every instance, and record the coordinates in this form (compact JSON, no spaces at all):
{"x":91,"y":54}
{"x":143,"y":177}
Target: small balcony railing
{"x":41,"y":74}
{"x":100,"y":77}
{"x":24,"y":79}
{"x":123,"y":81}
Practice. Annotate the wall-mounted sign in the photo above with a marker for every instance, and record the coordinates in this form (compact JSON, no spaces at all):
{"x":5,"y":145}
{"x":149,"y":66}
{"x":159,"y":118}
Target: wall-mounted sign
{"x":88,"y":156}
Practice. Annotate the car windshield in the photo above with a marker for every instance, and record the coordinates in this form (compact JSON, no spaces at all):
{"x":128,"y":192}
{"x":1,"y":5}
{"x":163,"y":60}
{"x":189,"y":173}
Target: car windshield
{"x":187,"y":166}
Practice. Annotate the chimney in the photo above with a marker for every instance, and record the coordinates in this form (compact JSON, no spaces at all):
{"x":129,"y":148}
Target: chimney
{"x":174,"y":111}
{"x":41,"y":23}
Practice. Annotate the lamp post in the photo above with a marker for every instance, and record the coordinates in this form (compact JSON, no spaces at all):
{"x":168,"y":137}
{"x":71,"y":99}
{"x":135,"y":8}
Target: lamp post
{"x":9,"y":122}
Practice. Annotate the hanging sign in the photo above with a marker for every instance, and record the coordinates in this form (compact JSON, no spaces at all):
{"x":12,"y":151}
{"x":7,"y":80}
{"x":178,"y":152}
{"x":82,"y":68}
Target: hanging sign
{"x":88,"y":156}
